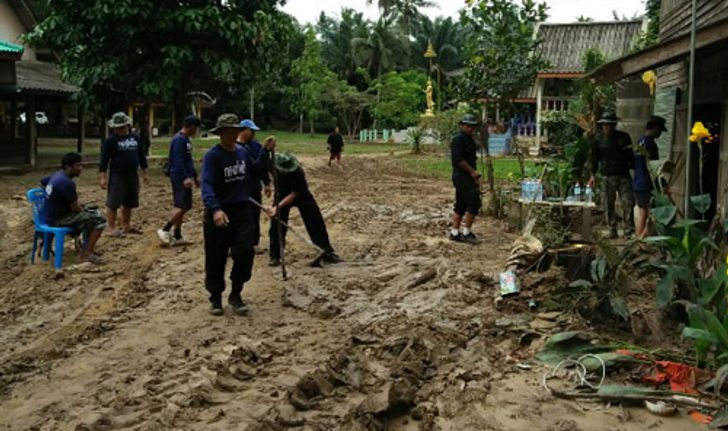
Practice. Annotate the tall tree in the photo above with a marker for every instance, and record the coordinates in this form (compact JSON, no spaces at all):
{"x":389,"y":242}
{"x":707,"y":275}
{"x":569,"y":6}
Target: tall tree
{"x":350,"y":105}
{"x":161,"y":49}
{"x":403,"y":12}
{"x":313,"y":77}
{"x":336,"y":47}
{"x":402,"y":99}
{"x":446,"y":37}
{"x":651,"y":35}
{"x":380,"y":51}
{"x":501,"y":48}
{"x":502,"y":59}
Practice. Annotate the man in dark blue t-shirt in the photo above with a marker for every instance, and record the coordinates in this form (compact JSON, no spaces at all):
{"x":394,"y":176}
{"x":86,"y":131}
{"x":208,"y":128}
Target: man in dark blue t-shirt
{"x":466,"y":180}
{"x":122,"y":154}
{"x":64,"y":210}
{"x":642,"y":182}
{"x":183,"y":176}
{"x":246,"y":138}
{"x":228,"y":171}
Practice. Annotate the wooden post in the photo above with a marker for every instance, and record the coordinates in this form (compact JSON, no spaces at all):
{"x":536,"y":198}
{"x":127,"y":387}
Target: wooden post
{"x":81,"y":130}
{"x":173,"y":129}
{"x":151,"y":121}
{"x":539,"y":100}
{"x":252,"y":103}
{"x":32,"y":131}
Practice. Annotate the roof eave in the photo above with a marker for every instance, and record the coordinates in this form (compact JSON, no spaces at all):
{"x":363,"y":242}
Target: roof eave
{"x":666,"y":52}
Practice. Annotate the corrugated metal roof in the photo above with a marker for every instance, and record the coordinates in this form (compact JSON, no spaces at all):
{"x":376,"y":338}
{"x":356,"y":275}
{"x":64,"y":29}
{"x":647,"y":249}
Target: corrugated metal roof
{"x":564,"y":45}
{"x":11,"y":47}
{"x":39,"y":76}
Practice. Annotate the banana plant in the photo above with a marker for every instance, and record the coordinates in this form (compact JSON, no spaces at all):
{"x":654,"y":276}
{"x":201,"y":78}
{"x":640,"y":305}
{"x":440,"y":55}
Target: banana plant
{"x":684,"y":242}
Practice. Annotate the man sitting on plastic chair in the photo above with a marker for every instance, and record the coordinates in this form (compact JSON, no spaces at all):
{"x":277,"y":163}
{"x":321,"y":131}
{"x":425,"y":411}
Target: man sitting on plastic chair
{"x":64,"y":210}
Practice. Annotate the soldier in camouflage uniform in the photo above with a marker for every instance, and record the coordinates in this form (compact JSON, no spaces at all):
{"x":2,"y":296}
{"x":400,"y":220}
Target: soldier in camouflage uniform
{"x":612,"y":157}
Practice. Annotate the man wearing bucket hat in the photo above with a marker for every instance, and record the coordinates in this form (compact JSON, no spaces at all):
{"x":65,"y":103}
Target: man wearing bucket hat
{"x":246,"y":138}
{"x":122,"y":154}
{"x":467,"y":182}
{"x":293,"y":191}
{"x":228,"y":171}
{"x":612,"y":157}
{"x":642,"y":181}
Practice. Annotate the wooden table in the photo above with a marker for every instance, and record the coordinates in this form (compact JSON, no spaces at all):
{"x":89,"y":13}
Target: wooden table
{"x":586,"y":213}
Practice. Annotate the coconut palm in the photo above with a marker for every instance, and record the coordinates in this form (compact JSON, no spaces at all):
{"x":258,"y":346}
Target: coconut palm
{"x":336,"y":36}
{"x":445,"y":36}
{"x":404,"y":12}
{"x":380,"y":50}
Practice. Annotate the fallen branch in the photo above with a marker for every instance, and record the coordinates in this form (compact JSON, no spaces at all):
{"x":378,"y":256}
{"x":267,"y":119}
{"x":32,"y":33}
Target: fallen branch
{"x":423,"y":278}
{"x":652,"y":396}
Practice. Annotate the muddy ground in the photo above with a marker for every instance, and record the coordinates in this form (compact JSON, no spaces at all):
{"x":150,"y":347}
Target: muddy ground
{"x":403,"y":335}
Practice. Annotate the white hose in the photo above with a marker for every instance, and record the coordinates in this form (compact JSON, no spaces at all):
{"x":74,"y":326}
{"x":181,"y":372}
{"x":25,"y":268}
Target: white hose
{"x":579,"y":372}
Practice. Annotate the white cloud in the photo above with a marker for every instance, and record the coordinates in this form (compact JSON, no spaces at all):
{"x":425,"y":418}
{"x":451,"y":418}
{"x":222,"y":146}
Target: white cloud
{"x":307,"y":11}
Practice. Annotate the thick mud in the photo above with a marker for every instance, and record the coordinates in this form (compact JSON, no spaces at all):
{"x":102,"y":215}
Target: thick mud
{"x":405,"y":334}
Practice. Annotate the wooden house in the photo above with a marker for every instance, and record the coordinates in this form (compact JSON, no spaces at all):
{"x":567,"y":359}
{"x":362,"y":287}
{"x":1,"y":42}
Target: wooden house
{"x":28,"y":79}
{"x":563,"y":46}
{"x":669,"y":60}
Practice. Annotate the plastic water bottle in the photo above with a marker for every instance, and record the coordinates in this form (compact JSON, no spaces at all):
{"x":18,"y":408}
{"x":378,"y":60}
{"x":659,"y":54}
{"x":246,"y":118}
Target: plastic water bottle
{"x":577,"y":192}
{"x":589,"y":194}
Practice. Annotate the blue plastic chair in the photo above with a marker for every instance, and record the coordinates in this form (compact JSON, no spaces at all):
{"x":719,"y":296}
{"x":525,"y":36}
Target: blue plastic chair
{"x":37,"y":199}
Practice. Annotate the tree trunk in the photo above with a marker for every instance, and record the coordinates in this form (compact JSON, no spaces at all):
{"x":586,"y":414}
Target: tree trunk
{"x":489,"y":171}
{"x":310,"y":125}
{"x":379,"y":90}
{"x":300,"y":124}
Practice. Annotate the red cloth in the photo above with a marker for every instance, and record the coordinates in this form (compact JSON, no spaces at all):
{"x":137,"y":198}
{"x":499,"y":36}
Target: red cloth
{"x":683,"y":378}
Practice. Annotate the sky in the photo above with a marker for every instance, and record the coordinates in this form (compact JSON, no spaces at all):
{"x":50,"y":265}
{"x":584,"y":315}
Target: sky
{"x":308,"y":11}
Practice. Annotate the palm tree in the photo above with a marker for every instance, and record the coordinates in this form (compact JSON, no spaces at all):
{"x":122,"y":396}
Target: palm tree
{"x":404,"y":12}
{"x":379,"y":51}
{"x":336,"y":37}
{"x":446,"y":38}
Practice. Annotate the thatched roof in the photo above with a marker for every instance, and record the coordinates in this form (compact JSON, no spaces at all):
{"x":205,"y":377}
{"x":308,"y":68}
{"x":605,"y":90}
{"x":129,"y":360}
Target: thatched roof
{"x":564,"y":45}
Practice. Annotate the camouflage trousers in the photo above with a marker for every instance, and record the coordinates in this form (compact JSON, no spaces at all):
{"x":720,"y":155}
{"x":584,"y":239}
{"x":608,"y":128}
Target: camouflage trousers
{"x":622,"y":185}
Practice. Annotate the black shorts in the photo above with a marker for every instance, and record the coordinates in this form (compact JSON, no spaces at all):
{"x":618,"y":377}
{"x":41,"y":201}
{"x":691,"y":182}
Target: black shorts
{"x":643,"y":199}
{"x":123,"y":190}
{"x":467,"y":195}
{"x":181,"y":195}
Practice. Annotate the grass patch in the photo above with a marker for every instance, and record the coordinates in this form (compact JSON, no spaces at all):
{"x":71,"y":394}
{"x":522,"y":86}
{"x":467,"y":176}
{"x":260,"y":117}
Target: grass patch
{"x":296,"y":143}
{"x":440,"y":167}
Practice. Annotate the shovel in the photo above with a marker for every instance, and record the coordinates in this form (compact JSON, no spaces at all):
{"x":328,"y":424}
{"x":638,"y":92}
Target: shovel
{"x":316,"y":262}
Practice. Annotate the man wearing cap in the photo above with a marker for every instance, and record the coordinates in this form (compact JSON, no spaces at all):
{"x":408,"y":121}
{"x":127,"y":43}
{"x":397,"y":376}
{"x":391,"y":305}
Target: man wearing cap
{"x":612,"y":157}
{"x":246,"y":138}
{"x":228,"y":171}
{"x":292,"y":191}
{"x":467,"y":182}
{"x":642,"y":183}
{"x":182,"y":175}
{"x":122,"y":154}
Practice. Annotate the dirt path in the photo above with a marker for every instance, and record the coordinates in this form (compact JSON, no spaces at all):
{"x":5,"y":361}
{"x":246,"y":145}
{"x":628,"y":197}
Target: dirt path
{"x":404,"y":335}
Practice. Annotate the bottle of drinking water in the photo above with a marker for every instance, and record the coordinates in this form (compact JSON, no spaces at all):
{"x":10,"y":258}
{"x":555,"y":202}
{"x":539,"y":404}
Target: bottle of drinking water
{"x":577,"y":192}
{"x":589,"y":194}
